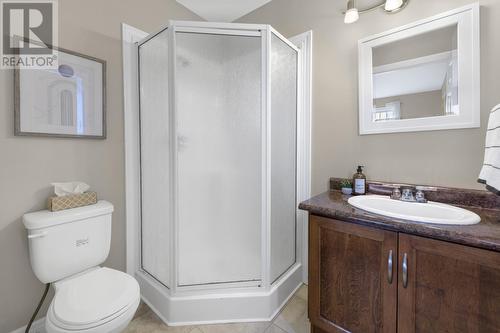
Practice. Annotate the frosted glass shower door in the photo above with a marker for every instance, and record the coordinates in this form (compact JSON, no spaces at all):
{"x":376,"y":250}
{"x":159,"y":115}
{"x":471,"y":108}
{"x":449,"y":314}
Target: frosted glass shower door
{"x":219,"y":158}
{"x":156,"y":186}
{"x":284,"y":61}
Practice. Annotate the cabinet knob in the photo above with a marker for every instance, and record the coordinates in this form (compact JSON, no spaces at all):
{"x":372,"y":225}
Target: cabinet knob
{"x":389,"y":267}
{"x":405,"y":270}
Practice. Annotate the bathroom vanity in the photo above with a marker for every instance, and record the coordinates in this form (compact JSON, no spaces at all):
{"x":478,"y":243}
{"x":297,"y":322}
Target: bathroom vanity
{"x":372,"y":273}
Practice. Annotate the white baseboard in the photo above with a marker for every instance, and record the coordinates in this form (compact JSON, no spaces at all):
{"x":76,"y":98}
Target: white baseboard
{"x":248,"y":306}
{"x":38,"y":326}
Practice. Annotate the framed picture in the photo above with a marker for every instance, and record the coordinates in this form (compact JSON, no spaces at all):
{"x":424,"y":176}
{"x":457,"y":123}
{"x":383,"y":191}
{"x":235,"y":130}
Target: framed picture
{"x":69,"y":101}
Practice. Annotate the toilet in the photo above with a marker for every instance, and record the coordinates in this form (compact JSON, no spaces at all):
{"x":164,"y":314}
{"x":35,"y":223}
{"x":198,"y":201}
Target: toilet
{"x":66,"y":249}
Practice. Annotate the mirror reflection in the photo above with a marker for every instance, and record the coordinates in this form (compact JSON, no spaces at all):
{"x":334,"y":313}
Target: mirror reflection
{"x":416,"y":77}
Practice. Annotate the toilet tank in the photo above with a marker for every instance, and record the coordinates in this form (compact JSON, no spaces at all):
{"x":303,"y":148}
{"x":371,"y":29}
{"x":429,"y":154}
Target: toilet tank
{"x":70,"y":241}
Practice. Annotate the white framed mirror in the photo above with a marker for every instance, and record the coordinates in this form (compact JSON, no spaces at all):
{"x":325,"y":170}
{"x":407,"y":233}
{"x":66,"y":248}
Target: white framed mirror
{"x":422,"y":76}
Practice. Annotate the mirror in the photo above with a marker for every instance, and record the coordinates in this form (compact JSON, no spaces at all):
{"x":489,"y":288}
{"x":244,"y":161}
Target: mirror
{"x":416,"y":77}
{"x":424,"y":76}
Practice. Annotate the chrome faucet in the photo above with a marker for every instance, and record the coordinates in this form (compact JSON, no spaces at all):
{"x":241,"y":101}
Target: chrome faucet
{"x":407,"y":194}
{"x":411,"y":193}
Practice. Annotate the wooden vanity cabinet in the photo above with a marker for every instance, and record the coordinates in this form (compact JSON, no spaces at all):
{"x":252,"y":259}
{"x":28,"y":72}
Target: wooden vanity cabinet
{"x":433,"y":286}
{"x":351,"y":288}
{"x":450,"y":288}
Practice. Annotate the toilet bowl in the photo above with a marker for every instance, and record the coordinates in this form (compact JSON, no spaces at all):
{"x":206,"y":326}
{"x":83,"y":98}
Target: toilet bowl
{"x":66,"y":248}
{"x":101,"y":300}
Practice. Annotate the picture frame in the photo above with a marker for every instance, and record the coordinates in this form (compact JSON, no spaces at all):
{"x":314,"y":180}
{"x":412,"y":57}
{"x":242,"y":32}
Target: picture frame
{"x":67,"y":102}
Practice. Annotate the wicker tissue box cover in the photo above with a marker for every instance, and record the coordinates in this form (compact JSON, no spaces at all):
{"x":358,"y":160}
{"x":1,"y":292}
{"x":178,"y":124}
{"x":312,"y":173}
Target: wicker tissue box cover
{"x":72,"y":201}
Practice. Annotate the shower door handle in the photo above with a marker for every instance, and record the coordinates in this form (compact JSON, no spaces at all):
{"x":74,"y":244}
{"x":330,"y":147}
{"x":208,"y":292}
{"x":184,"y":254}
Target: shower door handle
{"x":181,"y":142}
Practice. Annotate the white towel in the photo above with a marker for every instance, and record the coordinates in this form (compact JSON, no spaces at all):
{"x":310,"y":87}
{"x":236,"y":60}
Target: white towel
{"x":490,"y":173}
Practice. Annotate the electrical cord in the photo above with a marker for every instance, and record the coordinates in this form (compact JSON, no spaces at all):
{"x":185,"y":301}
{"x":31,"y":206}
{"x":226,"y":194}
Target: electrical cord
{"x":37,"y":308}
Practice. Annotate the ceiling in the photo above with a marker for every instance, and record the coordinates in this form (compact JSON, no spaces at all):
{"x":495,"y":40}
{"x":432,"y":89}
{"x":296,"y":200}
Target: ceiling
{"x":222,"y":10}
{"x":425,"y":74}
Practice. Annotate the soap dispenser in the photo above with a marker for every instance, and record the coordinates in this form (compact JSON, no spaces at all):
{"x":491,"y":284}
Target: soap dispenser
{"x":359,"y":182}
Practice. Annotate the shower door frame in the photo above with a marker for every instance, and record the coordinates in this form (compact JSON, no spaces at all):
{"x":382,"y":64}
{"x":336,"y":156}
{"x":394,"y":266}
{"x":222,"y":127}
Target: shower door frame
{"x":264,"y":287}
{"x":230,"y":30}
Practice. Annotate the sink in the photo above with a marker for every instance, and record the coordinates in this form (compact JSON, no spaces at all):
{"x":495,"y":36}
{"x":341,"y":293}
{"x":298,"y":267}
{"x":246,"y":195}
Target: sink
{"x":430,"y":212}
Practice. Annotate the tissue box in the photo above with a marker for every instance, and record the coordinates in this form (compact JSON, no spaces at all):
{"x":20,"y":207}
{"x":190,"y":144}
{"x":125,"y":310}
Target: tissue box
{"x":71,"y":201}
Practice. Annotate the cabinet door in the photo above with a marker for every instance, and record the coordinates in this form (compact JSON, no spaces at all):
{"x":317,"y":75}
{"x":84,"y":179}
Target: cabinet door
{"x":351,"y":285}
{"x":448,"y":288}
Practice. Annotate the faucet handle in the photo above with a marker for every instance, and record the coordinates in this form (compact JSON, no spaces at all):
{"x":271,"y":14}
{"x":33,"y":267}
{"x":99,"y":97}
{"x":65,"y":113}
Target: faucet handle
{"x":420,"y":195}
{"x":396,"y":192}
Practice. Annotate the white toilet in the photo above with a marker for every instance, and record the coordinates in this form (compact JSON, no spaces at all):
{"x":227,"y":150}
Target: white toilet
{"x":66,"y":248}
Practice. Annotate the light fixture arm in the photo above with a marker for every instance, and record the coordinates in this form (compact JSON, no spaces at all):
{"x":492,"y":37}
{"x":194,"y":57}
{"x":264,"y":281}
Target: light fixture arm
{"x":369,"y":9}
{"x":381,"y":5}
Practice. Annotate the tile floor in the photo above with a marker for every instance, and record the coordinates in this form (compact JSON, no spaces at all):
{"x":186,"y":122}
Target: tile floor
{"x":292,"y":319}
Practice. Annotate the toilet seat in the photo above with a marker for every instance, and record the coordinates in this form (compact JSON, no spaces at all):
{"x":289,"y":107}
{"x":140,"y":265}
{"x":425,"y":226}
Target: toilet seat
{"x":97,"y":298}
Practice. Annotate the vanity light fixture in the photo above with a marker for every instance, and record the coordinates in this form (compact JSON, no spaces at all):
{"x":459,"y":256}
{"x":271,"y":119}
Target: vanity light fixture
{"x":389,"y":6}
{"x":352,"y":14}
{"x":392,"y":5}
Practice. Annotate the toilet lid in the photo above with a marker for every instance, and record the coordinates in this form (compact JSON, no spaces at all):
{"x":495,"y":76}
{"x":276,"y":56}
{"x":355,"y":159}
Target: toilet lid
{"x":94,"y":296}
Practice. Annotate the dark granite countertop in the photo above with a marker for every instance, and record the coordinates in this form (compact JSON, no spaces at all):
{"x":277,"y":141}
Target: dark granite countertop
{"x":484,"y":235}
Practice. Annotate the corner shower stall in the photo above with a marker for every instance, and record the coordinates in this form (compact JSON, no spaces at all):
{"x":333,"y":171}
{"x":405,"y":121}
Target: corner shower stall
{"x":218,"y":108}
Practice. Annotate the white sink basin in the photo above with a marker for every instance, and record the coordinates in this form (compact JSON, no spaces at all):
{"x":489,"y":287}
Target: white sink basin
{"x":430,"y":212}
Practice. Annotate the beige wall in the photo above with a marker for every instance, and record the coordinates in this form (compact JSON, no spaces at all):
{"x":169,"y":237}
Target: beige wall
{"x":420,"y":105}
{"x":28,"y":165}
{"x":436,"y":41}
{"x":451,"y":158}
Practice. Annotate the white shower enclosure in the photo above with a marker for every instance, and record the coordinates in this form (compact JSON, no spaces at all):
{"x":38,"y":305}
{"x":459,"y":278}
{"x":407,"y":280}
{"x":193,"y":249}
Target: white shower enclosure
{"x":218,"y":231}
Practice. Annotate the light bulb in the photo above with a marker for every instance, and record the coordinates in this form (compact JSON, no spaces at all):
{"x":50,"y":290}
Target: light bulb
{"x":351,"y":16}
{"x":391,"y":5}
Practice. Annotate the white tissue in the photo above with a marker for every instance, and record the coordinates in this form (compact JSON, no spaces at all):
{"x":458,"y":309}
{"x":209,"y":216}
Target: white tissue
{"x":61,"y":189}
